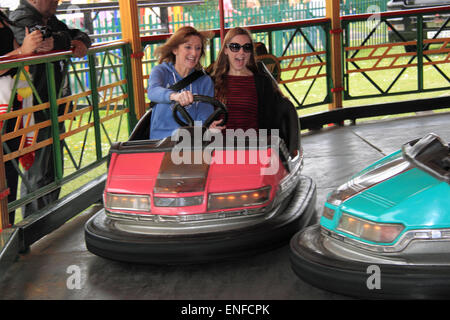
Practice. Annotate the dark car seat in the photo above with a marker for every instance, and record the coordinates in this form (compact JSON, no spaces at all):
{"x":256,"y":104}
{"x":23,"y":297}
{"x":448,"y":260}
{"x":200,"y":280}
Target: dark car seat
{"x":288,"y":123}
{"x":142,"y":129}
{"x":286,"y":117}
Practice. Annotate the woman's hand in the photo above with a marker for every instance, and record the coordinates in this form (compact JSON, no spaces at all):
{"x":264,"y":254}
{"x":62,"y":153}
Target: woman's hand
{"x":31,"y":42}
{"x":184,"y":98}
{"x":215,"y":127}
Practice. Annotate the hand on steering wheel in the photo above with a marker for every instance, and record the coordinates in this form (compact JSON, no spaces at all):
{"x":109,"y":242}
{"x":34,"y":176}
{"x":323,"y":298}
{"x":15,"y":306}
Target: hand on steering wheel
{"x":184,"y":98}
{"x":221,"y":109}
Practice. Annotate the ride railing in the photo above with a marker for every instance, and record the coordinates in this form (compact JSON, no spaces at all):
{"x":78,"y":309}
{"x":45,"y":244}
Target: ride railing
{"x":416,"y":58}
{"x":82,"y":124}
{"x":301,"y":69}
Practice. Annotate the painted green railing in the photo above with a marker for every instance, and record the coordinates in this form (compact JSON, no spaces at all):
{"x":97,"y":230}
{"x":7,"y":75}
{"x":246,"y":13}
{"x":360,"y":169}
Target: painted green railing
{"x":394,"y":68}
{"x":304,"y":61}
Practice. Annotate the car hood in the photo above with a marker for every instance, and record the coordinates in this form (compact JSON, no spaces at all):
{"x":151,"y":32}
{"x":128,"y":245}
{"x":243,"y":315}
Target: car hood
{"x":148,"y":173}
{"x":413,"y":198}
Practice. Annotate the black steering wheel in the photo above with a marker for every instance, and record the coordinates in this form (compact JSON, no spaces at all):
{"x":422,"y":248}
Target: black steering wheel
{"x":221,"y":110}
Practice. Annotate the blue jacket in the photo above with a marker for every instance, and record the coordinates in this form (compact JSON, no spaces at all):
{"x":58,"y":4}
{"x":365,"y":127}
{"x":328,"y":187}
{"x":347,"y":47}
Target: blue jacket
{"x":163,"y":76}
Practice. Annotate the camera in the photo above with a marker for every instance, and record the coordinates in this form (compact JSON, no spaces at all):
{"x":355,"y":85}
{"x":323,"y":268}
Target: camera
{"x":46,"y":31}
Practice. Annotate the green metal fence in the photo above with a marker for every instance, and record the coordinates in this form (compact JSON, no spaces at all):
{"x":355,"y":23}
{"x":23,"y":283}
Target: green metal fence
{"x":312,"y":38}
{"x":395,"y":67}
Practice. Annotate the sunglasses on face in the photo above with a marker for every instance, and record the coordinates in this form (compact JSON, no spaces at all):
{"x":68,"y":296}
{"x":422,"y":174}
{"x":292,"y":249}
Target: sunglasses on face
{"x":235,"y":47}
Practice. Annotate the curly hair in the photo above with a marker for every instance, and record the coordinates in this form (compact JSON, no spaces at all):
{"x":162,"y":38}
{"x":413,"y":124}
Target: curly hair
{"x":222,"y":65}
{"x":165,"y":52}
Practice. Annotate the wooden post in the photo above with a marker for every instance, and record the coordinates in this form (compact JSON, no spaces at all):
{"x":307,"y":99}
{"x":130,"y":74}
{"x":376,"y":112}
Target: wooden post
{"x":333,"y":12}
{"x":4,"y":216}
{"x":129,"y":20}
{"x":222,"y":21}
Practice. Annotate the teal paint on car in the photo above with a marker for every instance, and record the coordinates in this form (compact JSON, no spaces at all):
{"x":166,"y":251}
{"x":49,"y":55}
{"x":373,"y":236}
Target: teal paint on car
{"x":413,"y":198}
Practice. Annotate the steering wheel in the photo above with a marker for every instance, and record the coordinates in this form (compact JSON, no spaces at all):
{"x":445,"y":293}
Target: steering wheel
{"x":221,"y":109}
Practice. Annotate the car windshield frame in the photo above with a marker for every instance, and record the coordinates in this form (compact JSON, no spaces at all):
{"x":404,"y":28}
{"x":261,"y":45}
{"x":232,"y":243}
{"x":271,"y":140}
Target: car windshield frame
{"x":429,"y":154}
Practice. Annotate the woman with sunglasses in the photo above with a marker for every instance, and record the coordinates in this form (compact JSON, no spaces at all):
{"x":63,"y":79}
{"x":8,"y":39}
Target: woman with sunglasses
{"x":178,"y":58}
{"x":248,"y":93}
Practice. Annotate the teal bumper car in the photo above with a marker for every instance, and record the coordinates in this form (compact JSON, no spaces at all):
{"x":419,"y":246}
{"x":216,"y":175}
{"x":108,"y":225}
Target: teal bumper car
{"x":386,"y":232}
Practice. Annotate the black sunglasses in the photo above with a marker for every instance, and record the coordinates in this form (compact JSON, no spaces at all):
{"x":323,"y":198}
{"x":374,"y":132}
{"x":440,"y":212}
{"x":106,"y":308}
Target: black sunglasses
{"x":235,"y":47}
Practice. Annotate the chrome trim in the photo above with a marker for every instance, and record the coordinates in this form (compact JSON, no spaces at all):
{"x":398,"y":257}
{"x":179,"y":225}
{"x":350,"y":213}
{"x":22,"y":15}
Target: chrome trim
{"x":198,"y":223}
{"x":288,"y":182}
{"x":158,"y":218}
{"x":404,"y":240}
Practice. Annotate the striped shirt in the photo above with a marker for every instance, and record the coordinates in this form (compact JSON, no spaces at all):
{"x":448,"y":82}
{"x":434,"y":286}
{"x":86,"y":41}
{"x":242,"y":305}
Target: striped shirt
{"x":242,"y":102}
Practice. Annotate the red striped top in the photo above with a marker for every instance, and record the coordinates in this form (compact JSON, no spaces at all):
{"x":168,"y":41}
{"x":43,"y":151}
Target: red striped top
{"x":242,"y":102}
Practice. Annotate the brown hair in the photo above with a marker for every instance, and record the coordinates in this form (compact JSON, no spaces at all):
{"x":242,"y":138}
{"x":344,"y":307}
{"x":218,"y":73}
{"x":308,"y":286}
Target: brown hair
{"x":222,"y":66}
{"x":165,"y":52}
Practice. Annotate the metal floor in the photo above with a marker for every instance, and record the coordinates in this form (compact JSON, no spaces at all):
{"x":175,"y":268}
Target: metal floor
{"x":331,"y":157}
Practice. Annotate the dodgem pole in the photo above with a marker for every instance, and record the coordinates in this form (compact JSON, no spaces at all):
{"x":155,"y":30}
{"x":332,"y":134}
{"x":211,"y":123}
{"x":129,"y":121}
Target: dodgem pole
{"x":222,"y":21}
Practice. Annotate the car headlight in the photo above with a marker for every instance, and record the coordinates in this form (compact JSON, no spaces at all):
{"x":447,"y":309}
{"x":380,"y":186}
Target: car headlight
{"x":368,"y":230}
{"x":229,"y":200}
{"x":132,"y":202}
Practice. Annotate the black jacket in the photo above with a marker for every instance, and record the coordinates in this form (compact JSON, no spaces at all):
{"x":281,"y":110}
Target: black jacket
{"x":27,"y":16}
{"x":267,"y":101}
{"x":275,"y":111}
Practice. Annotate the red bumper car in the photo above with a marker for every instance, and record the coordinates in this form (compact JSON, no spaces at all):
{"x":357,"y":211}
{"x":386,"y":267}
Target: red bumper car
{"x":189,"y":200}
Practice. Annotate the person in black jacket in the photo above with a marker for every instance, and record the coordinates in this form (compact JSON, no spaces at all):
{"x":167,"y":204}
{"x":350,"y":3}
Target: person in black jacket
{"x":40,"y":14}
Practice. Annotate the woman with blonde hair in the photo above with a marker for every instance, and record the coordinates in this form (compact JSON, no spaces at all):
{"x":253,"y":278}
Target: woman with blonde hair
{"x":249,"y":94}
{"x":179,"y":57}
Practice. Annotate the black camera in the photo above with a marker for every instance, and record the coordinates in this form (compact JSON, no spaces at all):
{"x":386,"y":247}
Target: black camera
{"x":46,"y":31}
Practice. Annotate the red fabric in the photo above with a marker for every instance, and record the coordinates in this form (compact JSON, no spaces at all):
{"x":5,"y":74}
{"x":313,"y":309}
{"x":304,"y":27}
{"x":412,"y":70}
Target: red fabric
{"x":3,"y":109}
{"x":27,"y":160}
{"x":242,"y":103}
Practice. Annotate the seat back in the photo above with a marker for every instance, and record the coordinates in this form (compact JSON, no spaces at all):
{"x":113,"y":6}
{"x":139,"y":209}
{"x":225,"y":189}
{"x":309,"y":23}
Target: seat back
{"x":286,"y":117}
{"x":142,"y":129}
{"x":288,"y":123}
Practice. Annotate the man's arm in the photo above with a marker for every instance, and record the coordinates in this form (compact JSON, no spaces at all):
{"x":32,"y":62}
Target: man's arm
{"x":63,"y":36}
{"x":79,"y":35}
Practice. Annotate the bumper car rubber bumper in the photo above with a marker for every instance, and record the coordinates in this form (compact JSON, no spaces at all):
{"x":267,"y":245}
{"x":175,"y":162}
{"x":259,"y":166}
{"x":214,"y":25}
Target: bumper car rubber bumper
{"x":104,"y":240}
{"x":313,"y":263}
